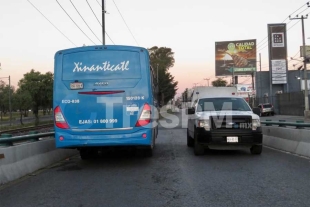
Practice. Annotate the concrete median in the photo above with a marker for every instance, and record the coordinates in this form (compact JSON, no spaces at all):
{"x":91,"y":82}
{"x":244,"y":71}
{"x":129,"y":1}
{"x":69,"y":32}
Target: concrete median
{"x":20,"y":160}
{"x":296,"y":141}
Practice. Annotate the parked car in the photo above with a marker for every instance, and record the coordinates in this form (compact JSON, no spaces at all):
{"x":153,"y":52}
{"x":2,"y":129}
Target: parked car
{"x":266,"y":109}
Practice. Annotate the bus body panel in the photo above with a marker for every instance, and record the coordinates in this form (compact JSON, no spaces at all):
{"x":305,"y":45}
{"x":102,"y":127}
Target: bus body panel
{"x":101,"y":92}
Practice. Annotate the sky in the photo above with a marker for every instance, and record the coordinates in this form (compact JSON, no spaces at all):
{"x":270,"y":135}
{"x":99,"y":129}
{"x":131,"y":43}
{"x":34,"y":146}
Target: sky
{"x":190,"y":28}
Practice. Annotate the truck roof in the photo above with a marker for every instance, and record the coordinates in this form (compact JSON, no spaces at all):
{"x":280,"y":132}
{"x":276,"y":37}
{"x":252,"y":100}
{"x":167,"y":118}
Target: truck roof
{"x":206,"y":91}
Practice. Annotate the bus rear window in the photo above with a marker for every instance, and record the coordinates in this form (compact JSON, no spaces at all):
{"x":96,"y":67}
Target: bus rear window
{"x":101,"y":65}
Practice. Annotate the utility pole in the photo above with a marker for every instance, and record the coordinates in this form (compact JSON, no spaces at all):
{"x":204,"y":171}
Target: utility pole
{"x":10,"y":102}
{"x":253,"y":87}
{"x":207,"y":79}
{"x":260,"y":75}
{"x":305,"y":63}
{"x":103,"y":22}
{"x":233,"y":76}
{"x":195,"y":84}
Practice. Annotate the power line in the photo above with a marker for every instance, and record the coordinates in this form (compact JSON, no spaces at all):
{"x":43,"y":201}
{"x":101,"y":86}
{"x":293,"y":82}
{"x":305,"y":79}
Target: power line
{"x":74,"y":22}
{"x":125,"y":22}
{"x":269,"y":40}
{"x":283,"y":22}
{"x":85,"y":21}
{"x":286,"y":30}
{"x":99,"y":21}
{"x":98,"y":3}
{"x":296,"y":11}
{"x":267,"y":66}
{"x":51,"y":23}
{"x":94,"y":12}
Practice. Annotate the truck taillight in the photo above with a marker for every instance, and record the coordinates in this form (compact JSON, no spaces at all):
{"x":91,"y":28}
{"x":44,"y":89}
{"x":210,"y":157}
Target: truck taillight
{"x":60,"y":121}
{"x":145,"y":117}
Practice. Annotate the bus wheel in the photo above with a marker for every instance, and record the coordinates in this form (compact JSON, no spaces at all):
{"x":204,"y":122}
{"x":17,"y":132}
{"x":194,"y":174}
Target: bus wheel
{"x":148,"y":152}
{"x":86,"y":154}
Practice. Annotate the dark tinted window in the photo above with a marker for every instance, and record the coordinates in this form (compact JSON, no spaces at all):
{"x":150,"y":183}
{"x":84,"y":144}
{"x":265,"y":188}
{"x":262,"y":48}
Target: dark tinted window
{"x":267,"y":106}
{"x":218,"y":104}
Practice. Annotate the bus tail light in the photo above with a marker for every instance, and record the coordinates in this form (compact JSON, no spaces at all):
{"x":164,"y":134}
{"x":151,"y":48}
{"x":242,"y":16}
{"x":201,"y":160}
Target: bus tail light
{"x":59,"y":119}
{"x":145,"y":117}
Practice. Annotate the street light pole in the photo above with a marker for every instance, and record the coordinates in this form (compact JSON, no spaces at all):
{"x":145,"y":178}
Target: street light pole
{"x":195,"y":84}
{"x":207,"y":79}
{"x":260,"y":75}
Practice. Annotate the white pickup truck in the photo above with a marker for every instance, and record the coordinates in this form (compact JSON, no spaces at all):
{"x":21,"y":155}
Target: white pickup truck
{"x":219,"y":119}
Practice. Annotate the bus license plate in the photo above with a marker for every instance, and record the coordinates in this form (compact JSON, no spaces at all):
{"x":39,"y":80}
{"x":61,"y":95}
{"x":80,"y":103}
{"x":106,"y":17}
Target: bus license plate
{"x":232,"y":139}
{"x":75,"y":86}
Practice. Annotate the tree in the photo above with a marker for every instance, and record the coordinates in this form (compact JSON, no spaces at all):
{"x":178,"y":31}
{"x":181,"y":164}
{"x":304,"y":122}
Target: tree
{"x":219,"y":82}
{"x":22,"y":102}
{"x":184,"y":95}
{"x":161,"y":59}
{"x":47,"y":99}
{"x":4,"y":97}
{"x":39,"y":86}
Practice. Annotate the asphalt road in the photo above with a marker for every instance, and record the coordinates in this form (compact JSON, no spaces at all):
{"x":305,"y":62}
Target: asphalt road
{"x":172,"y":177}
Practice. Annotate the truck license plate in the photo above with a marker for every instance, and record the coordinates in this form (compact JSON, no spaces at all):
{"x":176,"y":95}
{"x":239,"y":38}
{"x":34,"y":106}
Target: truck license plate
{"x":232,"y":139}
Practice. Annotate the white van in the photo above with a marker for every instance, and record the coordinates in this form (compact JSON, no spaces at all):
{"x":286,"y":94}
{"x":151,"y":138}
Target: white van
{"x":219,"y":119}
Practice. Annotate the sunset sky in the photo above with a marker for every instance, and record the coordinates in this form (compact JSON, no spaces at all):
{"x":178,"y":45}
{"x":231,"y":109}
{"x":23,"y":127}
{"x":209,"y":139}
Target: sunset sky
{"x":189,"y":28}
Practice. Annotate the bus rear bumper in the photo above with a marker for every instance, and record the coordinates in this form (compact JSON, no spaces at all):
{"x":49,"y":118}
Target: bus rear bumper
{"x":67,"y":140}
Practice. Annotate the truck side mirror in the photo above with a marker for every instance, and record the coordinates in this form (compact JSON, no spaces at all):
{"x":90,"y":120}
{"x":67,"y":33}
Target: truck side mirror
{"x":190,"y":111}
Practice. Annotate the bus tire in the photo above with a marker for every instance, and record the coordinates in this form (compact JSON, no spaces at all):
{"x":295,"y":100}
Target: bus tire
{"x":86,"y":154}
{"x":148,"y":152}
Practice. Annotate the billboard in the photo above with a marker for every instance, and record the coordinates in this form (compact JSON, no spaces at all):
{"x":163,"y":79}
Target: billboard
{"x":235,"y":57}
{"x":245,"y":90}
{"x":277,"y":39}
{"x":277,"y":53}
{"x":278,"y":69}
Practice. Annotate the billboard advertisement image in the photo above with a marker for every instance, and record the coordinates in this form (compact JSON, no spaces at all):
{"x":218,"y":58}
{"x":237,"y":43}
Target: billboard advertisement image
{"x":235,"y":57}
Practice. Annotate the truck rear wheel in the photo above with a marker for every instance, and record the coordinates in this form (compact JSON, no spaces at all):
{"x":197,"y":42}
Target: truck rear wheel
{"x":256,"y":149}
{"x":198,"y":148}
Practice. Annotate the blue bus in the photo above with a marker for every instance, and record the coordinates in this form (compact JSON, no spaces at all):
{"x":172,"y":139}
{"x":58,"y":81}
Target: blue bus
{"x":104,"y":97}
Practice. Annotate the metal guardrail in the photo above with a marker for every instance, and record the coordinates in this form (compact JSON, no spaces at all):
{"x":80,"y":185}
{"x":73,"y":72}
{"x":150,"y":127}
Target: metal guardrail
{"x":25,"y":129}
{"x":8,"y":140}
{"x":283,"y":123}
